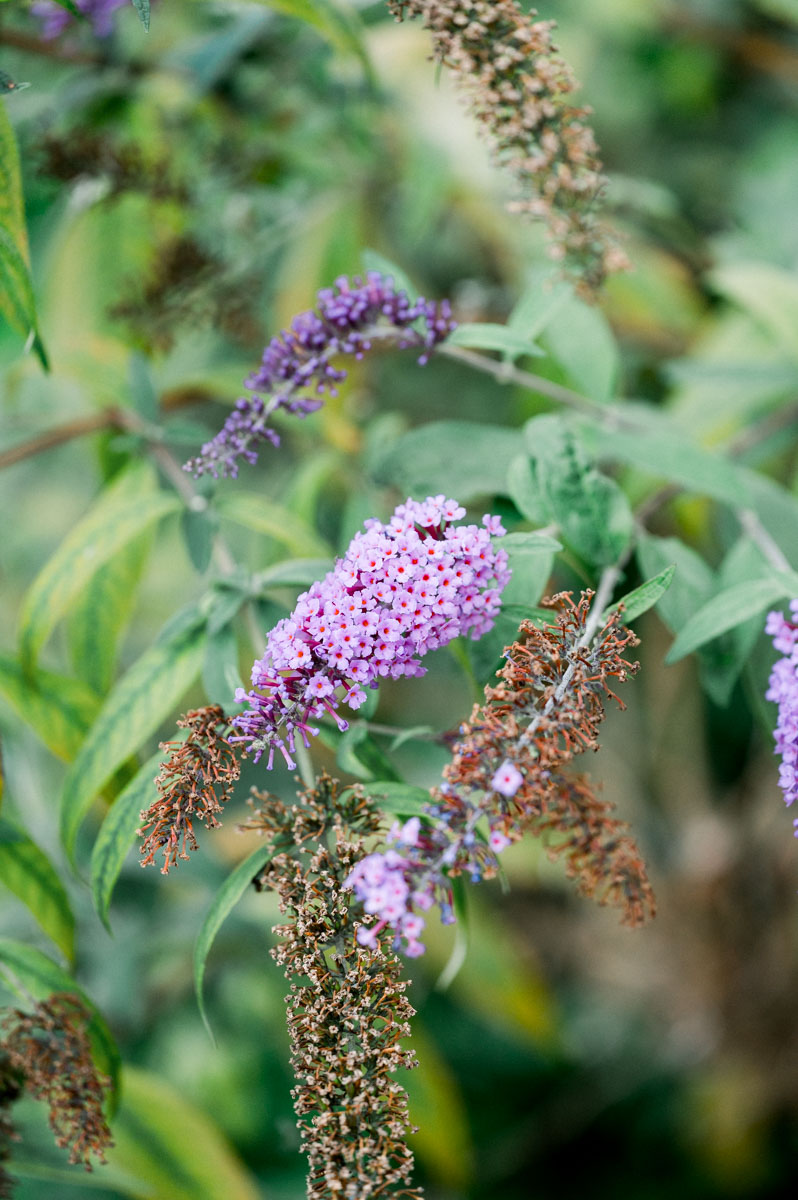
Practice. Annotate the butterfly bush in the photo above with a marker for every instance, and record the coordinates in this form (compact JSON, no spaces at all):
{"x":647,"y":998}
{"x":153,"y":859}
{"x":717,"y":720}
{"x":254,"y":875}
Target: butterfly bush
{"x":298,"y":369}
{"x":401,"y":590}
{"x":783,"y":690}
{"x":506,"y":775}
{"x":55,"y":19}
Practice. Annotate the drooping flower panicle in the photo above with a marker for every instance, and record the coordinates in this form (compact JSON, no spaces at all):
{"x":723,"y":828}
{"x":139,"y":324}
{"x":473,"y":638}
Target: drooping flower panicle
{"x":506,"y":774}
{"x":301,"y":364}
{"x":519,"y":89}
{"x":401,"y":590}
{"x":195,"y":782}
{"x":50,"y":1051}
{"x":783,"y":690}
{"x":347,"y":1008}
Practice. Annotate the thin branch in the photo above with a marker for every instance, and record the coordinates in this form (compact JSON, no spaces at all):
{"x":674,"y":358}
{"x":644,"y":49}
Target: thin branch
{"x":752,"y":525}
{"x":47,"y":49}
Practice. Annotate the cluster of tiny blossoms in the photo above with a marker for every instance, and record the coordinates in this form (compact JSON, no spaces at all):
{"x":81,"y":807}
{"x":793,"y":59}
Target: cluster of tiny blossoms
{"x":783,"y":690}
{"x":506,"y":774}
{"x":401,"y":590}
{"x":298,"y":369}
{"x":49,"y":1052}
{"x":347,"y":1008}
{"x":55,"y":18}
{"x":519,"y":89}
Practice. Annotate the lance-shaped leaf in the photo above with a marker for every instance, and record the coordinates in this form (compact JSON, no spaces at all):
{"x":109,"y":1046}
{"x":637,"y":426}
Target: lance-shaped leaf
{"x":117,"y":834}
{"x":171,"y":1147}
{"x":642,"y":598}
{"x":28,"y":971}
{"x":101,"y":612}
{"x":28,"y":873}
{"x":225,"y":900}
{"x":17,"y":303}
{"x":486,"y":336}
{"x":728,"y":609}
{"x":264,"y":516}
{"x":57,"y":708}
{"x":135,"y":708}
{"x":142,"y":7}
{"x":114,"y":521}
{"x":399,"y":799}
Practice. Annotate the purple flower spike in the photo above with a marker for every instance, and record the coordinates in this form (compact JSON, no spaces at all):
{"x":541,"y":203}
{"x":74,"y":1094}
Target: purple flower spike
{"x":783,"y":690}
{"x":401,"y":590}
{"x":297,"y":368}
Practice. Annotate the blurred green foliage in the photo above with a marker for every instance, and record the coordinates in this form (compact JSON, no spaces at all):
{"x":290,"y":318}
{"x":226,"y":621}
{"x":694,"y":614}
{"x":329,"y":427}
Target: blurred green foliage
{"x":187,"y":191}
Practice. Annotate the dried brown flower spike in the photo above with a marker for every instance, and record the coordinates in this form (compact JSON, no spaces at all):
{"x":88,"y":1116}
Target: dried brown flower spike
{"x":347,"y":1009}
{"x":49,"y":1050}
{"x":195,"y":781}
{"x":519,"y":89}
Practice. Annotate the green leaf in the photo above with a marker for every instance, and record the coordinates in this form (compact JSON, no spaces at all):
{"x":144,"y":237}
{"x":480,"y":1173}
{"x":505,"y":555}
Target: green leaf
{"x":220,"y":675}
{"x":28,"y":970}
{"x":398,"y":799}
{"x":591,"y":510}
{"x":524,"y":490}
{"x":171,"y":1147}
{"x":225,"y":900}
{"x":642,"y":598}
{"x":117,"y":834}
{"x":538,"y":304}
{"x":60,"y":710}
{"x":28,"y":873}
{"x":135,"y":708}
{"x":341,"y":27}
{"x":666,"y":454}
{"x":298,"y":572}
{"x":580,"y":339}
{"x":198,"y":528}
{"x":112,"y":523}
{"x":461,"y":458}
{"x":101,"y":612}
{"x":486,"y":336}
{"x":530,"y":558}
{"x":17,"y":303}
{"x":257,"y":512}
{"x":769,"y":294}
{"x":533,"y":542}
{"x":359,"y":754}
{"x":693,"y":581}
{"x":142,"y":7}
{"x":728,"y":609}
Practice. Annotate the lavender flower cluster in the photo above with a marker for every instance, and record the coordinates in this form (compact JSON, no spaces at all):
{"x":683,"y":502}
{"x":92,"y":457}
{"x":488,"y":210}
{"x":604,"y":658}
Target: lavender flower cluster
{"x":297,"y":368}
{"x":397,"y":885}
{"x":55,"y":19}
{"x":783,"y":690}
{"x":401,"y":590}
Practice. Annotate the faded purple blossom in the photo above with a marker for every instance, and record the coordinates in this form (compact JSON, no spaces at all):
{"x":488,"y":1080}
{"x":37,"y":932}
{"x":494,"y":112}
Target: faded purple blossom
{"x":297,"y":368}
{"x":401,"y":590}
{"x":507,"y":779}
{"x":55,"y":19}
{"x":783,"y":690}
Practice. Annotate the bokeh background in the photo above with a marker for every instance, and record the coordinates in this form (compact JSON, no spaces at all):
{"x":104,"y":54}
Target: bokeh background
{"x":187,"y":192}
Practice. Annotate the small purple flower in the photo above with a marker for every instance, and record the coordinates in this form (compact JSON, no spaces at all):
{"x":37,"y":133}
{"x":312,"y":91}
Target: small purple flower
{"x":55,"y":19}
{"x":357,"y":626}
{"x":297,"y":367}
{"x":507,"y":779}
{"x":783,"y":690}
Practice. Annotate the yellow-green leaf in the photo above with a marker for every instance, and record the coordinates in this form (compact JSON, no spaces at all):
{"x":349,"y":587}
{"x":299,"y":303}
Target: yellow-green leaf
{"x":264,"y":516}
{"x":16,"y":291}
{"x":134,"y":709}
{"x":112,"y":523}
{"x":224,"y":901}
{"x":117,"y":833}
{"x":172,"y":1147}
{"x":28,"y":873}
{"x":58,"y":709}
